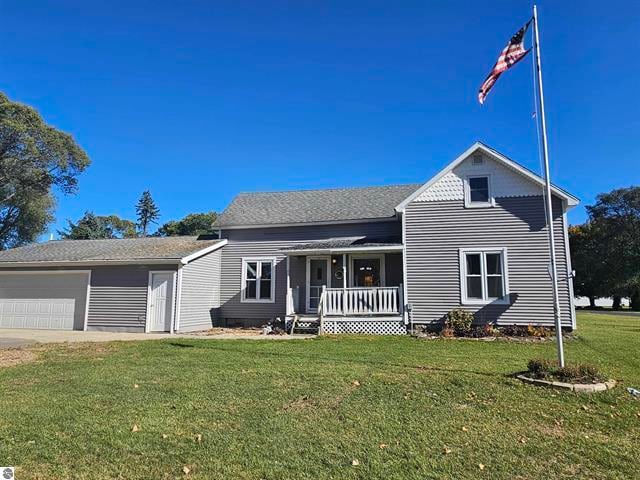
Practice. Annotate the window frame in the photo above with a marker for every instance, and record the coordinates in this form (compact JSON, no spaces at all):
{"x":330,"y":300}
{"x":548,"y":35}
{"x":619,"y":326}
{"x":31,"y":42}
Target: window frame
{"x":243,"y":286}
{"x":367,"y":256}
{"x":467,"y":192}
{"x":504,"y":264}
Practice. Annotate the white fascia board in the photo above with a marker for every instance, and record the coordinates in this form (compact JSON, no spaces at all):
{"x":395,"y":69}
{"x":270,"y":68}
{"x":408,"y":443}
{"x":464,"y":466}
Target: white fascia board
{"x":90,"y":263}
{"x":571,"y":200}
{"x":204,"y":251}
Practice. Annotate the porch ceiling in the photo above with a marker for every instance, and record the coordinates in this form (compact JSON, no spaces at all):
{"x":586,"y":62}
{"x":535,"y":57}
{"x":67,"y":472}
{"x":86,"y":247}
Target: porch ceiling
{"x":345,"y":245}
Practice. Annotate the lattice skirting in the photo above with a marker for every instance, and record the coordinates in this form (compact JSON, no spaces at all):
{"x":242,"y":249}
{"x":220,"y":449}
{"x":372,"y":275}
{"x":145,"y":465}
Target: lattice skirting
{"x":368,"y":327}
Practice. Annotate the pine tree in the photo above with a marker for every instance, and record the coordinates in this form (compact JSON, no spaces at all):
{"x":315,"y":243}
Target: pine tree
{"x":147,"y":212}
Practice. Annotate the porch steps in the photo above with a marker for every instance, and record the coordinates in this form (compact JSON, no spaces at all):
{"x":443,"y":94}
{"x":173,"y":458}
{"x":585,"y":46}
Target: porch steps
{"x":305,"y":324}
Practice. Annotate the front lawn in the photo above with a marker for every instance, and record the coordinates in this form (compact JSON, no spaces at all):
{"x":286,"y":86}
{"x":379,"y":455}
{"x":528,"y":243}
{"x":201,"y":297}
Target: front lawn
{"x":330,"y":408}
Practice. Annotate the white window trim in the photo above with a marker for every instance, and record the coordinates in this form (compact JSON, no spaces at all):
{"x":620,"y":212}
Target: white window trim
{"x":464,"y":300}
{"x":366,"y":256}
{"x":243,"y":285}
{"x":467,"y":192}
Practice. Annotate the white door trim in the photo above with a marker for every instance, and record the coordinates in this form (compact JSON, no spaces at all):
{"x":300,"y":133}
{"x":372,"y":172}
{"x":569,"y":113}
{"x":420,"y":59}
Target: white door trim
{"x":308,"y":282}
{"x":173,"y":296}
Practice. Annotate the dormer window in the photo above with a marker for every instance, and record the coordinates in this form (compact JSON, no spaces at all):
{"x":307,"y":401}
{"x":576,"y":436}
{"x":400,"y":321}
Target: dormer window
{"x":478,"y":191}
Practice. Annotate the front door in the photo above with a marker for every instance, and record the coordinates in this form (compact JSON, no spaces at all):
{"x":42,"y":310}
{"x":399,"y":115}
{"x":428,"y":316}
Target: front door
{"x":160,"y":301}
{"x":318,"y":269}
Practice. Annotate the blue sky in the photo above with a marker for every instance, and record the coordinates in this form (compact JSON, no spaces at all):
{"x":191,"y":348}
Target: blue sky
{"x":197,"y":101}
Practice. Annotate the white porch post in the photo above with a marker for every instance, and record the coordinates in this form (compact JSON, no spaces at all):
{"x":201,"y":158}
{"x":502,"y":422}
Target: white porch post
{"x":289,"y":293}
{"x":344,"y":283}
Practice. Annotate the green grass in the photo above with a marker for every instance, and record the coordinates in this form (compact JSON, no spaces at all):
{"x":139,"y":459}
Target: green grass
{"x":288,"y":410}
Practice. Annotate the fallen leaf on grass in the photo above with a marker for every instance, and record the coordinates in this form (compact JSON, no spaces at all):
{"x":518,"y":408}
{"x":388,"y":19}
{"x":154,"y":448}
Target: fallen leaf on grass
{"x":186,"y":470}
{"x":135,"y":428}
{"x":585,"y":408}
{"x":523,"y":439}
{"x":446,"y":450}
{"x":355,"y":462}
{"x":383,"y":445}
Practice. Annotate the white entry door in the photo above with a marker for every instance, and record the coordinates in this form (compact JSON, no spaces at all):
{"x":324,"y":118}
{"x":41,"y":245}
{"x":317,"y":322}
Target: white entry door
{"x":318,"y":276}
{"x":160,"y":301}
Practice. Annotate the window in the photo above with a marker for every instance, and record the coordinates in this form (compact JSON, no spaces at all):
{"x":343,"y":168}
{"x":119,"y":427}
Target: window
{"x":478,"y":192}
{"x":258,"y":283}
{"x":367,"y":271}
{"x":483,"y":276}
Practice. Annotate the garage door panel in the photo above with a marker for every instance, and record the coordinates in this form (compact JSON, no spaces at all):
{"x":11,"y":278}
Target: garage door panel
{"x":44,"y":301}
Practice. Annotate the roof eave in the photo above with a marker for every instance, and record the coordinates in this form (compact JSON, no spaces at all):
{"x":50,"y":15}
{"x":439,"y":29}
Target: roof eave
{"x":91,"y":263}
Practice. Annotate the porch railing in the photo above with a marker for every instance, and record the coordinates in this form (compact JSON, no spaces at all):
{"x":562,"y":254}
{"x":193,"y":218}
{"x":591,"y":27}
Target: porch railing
{"x":362,"y":301}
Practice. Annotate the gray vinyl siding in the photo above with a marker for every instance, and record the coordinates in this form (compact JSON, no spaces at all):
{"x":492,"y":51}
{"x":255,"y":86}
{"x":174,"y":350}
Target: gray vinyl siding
{"x":118,"y":297}
{"x":435,"y":231}
{"x":200,"y":297}
{"x":268,"y":242}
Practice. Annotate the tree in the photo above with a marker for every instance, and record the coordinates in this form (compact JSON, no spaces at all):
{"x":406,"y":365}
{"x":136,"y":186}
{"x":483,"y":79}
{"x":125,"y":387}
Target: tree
{"x":192,"y":224}
{"x":147,"y":212}
{"x":35,"y":158}
{"x":587,"y":259}
{"x":606,"y":250}
{"x":92,"y":226}
{"x":617,"y":215}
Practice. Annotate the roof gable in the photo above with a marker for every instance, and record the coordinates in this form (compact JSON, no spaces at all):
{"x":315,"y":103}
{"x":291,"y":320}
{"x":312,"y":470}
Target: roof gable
{"x":446,"y":184}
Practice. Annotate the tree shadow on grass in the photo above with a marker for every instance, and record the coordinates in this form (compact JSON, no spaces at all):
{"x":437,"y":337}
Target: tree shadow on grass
{"x":302,"y":359}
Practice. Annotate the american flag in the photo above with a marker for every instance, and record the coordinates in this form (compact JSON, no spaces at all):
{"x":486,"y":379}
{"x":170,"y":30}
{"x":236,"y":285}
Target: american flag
{"x":512,"y":54}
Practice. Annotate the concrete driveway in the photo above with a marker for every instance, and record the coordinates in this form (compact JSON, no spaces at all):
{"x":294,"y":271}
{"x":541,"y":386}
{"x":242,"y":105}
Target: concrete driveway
{"x":10,"y":337}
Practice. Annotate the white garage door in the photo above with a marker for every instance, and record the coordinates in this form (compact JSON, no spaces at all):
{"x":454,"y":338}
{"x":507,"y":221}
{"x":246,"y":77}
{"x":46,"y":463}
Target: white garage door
{"x":43,"y":300}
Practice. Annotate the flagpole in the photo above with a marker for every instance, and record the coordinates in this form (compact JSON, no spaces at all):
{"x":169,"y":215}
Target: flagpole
{"x":549,"y":211}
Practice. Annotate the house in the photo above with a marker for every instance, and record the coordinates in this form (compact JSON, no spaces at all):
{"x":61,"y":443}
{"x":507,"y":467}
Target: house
{"x":371,"y":260}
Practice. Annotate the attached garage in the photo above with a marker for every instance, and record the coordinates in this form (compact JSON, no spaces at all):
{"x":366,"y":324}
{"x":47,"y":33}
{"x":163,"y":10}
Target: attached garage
{"x":49,"y":300}
{"x":149,"y":284}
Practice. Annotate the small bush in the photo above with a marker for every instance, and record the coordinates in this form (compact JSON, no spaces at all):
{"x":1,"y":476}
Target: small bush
{"x":447,"y":332}
{"x":459,"y":321}
{"x":576,"y":373}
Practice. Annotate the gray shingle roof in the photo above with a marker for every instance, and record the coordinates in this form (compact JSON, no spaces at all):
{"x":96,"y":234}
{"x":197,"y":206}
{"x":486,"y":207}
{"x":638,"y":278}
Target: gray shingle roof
{"x":304,"y":206}
{"x":126,"y":249}
{"x":347,"y":243}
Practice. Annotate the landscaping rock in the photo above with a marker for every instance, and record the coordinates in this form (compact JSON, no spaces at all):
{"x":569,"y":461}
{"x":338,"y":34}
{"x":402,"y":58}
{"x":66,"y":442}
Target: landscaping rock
{"x":572,"y":387}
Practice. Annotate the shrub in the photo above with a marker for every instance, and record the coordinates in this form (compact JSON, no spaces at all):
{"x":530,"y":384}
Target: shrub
{"x":447,"y":332}
{"x":580,"y":373}
{"x":459,"y":321}
{"x":575,"y":373}
{"x":489,"y":330}
{"x":540,"y":367}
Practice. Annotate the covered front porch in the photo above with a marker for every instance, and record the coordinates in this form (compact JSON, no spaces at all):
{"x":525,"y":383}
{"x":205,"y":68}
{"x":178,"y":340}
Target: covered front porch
{"x":349,"y":285}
